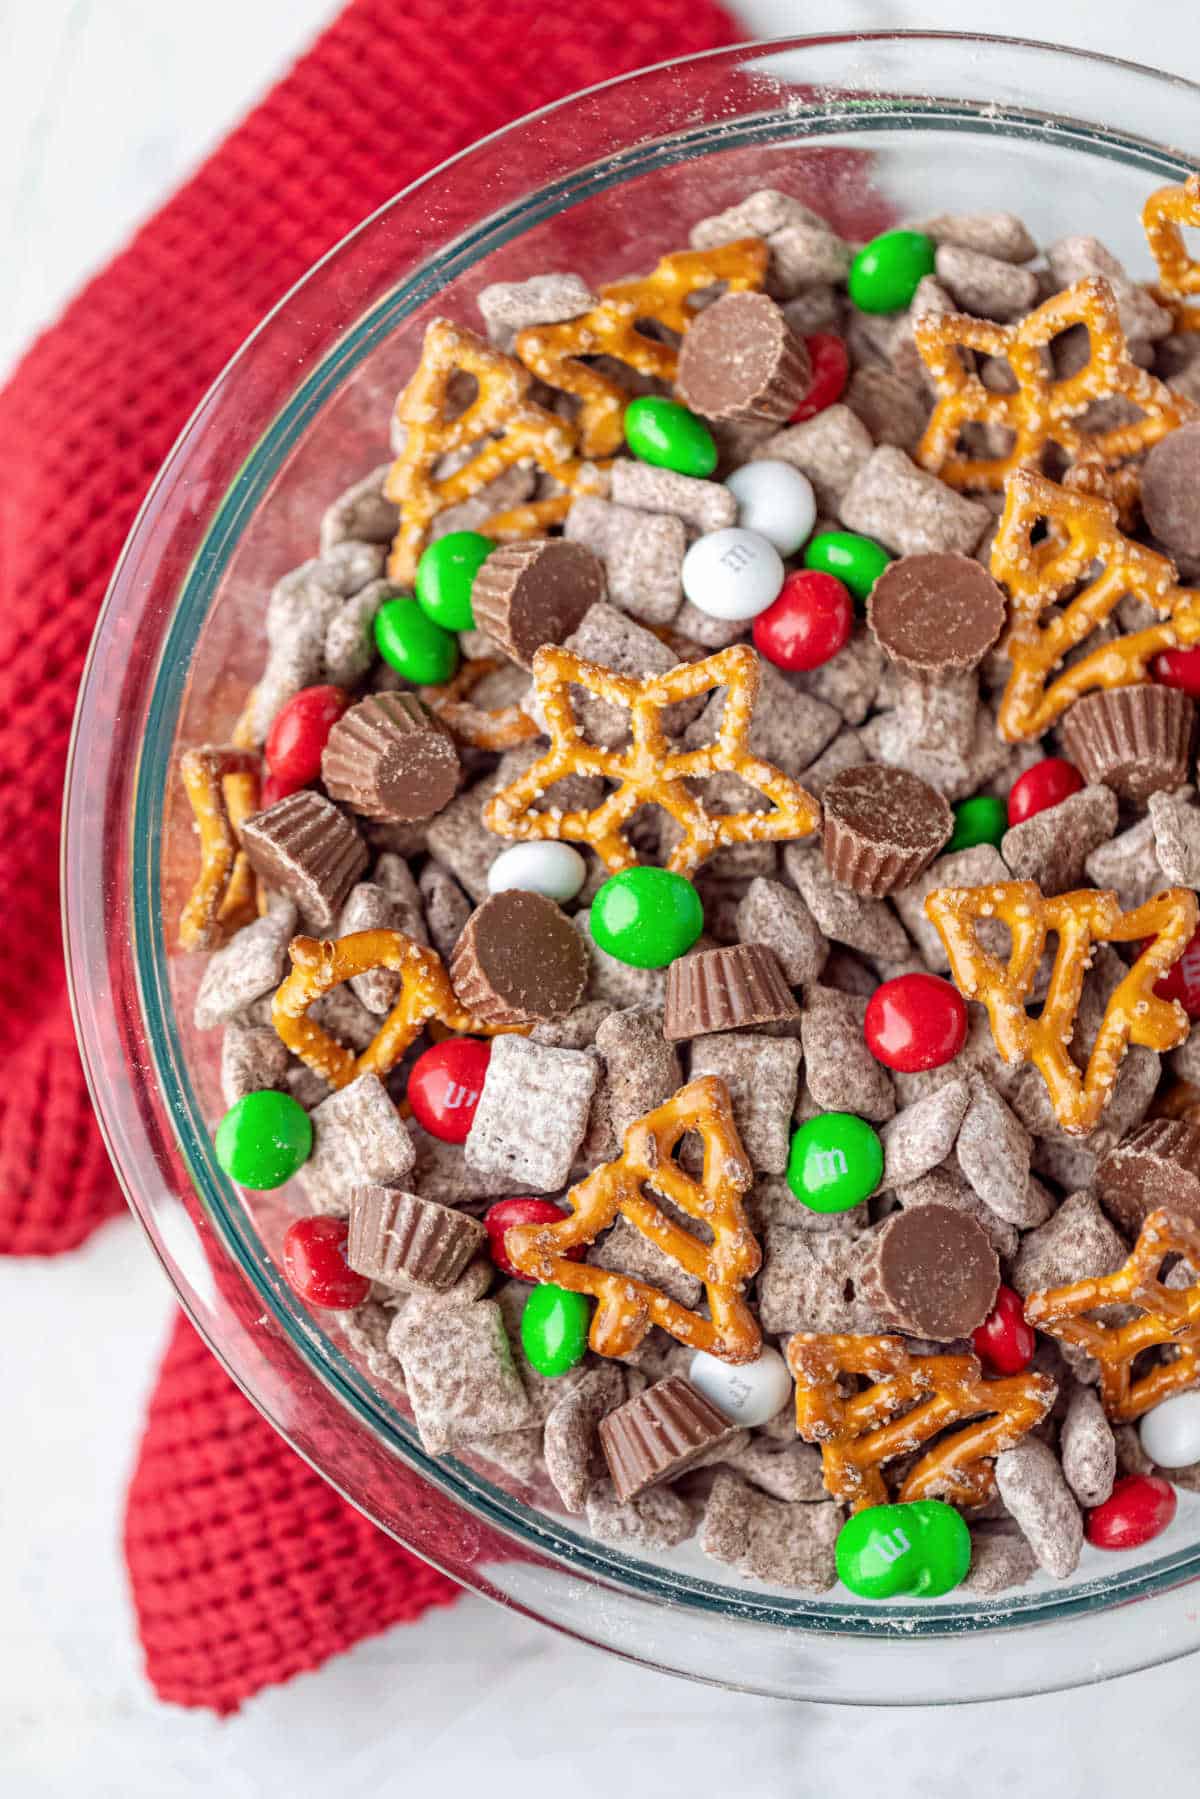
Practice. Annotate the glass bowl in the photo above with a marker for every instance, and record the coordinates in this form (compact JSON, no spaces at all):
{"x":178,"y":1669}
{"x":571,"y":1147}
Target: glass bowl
{"x":868,"y":130}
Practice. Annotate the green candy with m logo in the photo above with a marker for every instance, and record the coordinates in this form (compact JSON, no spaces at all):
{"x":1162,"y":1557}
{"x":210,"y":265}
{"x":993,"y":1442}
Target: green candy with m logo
{"x":903,"y":1551}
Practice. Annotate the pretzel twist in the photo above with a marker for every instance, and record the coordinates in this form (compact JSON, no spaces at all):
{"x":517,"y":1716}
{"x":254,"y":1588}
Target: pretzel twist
{"x":1164,"y":215}
{"x":911,"y":1399}
{"x":1169,"y":1316}
{"x":425,"y":994}
{"x":221,"y":783}
{"x":1134,"y":1013}
{"x":649,"y":771}
{"x":452,"y":706}
{"x":627,"y":1307}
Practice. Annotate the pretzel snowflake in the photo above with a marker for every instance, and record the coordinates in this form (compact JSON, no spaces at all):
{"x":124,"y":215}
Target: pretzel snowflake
{"x":1164,"y":215}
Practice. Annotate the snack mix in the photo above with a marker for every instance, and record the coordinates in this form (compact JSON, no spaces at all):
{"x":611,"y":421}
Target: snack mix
{"x":701,"y":900}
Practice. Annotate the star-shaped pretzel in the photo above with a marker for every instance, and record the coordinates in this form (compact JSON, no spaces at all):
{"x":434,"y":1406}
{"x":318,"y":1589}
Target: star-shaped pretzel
{"x":1042,"y":411}
{"x":1169,"y":1315}
{"x":626,"y":1307}
{"x":1164,"y":215}
{"x":911,"y":1399}
{"x":614,"y":328}
{"x":501,"y":426}
{"x":1049,"y":541}
{"x":221,"y":782}
{"x":1134,"y":1013}
{"x":425,"y":995}
{"x":648,"y":771}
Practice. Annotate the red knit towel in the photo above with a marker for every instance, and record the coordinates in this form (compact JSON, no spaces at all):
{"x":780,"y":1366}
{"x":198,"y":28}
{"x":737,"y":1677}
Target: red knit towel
{"x":246,"y":1568}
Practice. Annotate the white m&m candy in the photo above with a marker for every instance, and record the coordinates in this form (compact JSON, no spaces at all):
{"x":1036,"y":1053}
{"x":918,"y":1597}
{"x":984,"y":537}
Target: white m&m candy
{"x":775,"y":500}
{"x":748,"y":1392}
{"x":553,"y":869}
{"x":732,"y":573}
{"x":1170,"y":1434}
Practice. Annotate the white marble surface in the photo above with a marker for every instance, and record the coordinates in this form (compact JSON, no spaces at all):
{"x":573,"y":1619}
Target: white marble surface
{"x":104,"y":105}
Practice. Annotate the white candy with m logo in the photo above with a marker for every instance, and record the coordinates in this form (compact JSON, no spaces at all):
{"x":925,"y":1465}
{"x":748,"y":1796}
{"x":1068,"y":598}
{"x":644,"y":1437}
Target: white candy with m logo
{"x":747,"y":1392}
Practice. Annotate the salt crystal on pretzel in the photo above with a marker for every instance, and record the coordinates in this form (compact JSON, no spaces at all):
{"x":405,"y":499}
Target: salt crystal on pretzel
{"x":222,"y":787}
{"x":1041,"y":574}
{"x":1134,"y":1014}
{"x":1164,"y":215}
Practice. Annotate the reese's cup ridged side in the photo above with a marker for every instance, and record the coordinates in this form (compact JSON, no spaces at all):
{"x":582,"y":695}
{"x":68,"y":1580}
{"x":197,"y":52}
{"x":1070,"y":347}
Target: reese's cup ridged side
{"x":400,"y":1239}
{"x":519,"y":960}
{"x":528,"y":594}
{"x":1136,"y":740}
{"x":305,"y":848}
{"x":389,"y":759}
{"x":659,"y":1433}
{"x":882,"y":828}
{"x":725,"y":989}
{"x":1157,"y":1165}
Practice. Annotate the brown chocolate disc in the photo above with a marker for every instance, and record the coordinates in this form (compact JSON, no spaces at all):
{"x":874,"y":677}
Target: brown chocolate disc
{"x":403,"y":1240}
{"x":528,"y":594}
{"x":883,"y":827}
{"x":935,"y":614}
{"x":742,"y":360}
{"x":932,"y":1272}
{"x":658,"y":1433}
{"x":1171,"y":490}
{"x":389,"y":759}
{"x":305,"y":848}
{"x":1136,"y":740}
{"x":520,"y":960}
{"x":1157,"y":1165}
{"x":725,"y":989}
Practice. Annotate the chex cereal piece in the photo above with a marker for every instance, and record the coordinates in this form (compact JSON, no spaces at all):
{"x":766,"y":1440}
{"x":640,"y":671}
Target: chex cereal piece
{"x":1128,"y":863}
{"x":920,"y":1137}
{"x":363,"y":513}
{"x":764,"y":1539}
{"x":809,"y":1281}
{"x":577,"y":1030}
{"x":1175,"y":821}
{"x":625,"y":1251}
{"x":908,"y":510}
{"x":1053,"y":846}
{"x":571,"y":1446}
{"x":461,"y":841}
{"x":299,"y":612}
{"x":864,"y":924}
{"x":1087,"y":1447}
{"x":1077,"y":1243}
{"x":369,"y":907}
{"x":512,"y":306}
{"x":619,"y":984}
{"x":1000,"y":1559}
{"x":805,"y":250}
{"x":659,"y":1519}
{"x":252,"y":1058}
{"x":761,"y":1074}
{"x":532,"y":1112}
{"x":359,"y":1139}
{"x":613,"y":640}
{"x":999,"y":234}
{"x":700,"y":505}
{"x":774,"y":915}
{"x":1031,"y":1484}
{"x":846,"y":751}
{"x":981,"y":865}
{"x":349,"y":649}
{"x":253,"y":962}
{"x":841,"y":1072}
{"x":985,"y":285}
{"x":366,"y":1330}
{"x":817,"y":308}
{"x":788,"y":729}
{"x":445,"y":905}
{"x":830,"y":449}
{"x":392,"y":873}
{"x":994,"y":1151}
{"x":1076,"y":257}
{"x":893,"y":409}
{"x":458,"y":1369}
{"x":789,"y":1471}
{"x":642,"y":553}
{"x":850,"y":683}
{"x":945,"y":1187}
{"x":641,"y":1068}
{"x":772,"y":1205}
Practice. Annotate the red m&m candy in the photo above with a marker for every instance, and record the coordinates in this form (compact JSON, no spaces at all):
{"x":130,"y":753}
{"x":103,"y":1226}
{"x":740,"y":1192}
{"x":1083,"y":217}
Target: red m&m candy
{"x":1182,"y":979}
{"x":830,"y":367}
{"x":1047,"y":783}
{"x":444,"y":1086}
{"x":314,"y":1261}
{"x":1178,"y":668}
{"x":808,"y":624}
{"x":506,"y":1214}
{"x":1004,"y":1342}
{"x":914,"y":1022}
{"x":1140,"y":1507}
{"x":297,"y":738}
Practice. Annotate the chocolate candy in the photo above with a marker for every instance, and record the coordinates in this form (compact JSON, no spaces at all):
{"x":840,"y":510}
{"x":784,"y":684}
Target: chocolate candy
{"x":403,"y":1240}
{"x":725,"y":989}
{"x":264,"y":1139}
{"x":893,"y":1551}
{"x":444,"y":1085}
{"x":886,"y":273}
{"x":657,"y":1434}
{"x":835,"y":1162}
{"x":410,"y":642}
{"x":1140,"y":1508}
{"x":1170,"y":484}
{"x":519,"y":961}
{"x":748,"y":1393}
{"x":935,"y":614}
{"x":305,"y":848}
{"x":1136,"y":740}
{"x":883,"y":827}
{"x":1004,"y":1342}
{"x":1170,"y":1433}
{"x":775,"y":500}
{"x":665,"y":434}
{"x":932,"y":1273}
{"x":554,"y":869}
{"x":554,"y":1329}
{"x":1157,"y":1165}
{"x":646,"y":917}
{"x":1048,"y":783}
{"x":856,"y":561}
{"x":389,"y":759}
{"x":742,"y":360}
{"x":298,"y":735}
{"x":446,"y":575}
{"x":528,"y":594}
{"x":314,"y":1264}
{"x":915,"y":1022}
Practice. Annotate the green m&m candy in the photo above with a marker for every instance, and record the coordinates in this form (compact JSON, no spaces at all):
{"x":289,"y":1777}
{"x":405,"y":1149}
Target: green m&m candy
{"x":554,"y":1329}
{"x":264,"y":1139}
{"x":981,"y":819}
{"x":668,"y":435}
{"x":647,"y":917}
{"x":856,"y":561}
{"x":886,"y":273}
{"x":889,"y":1551}
{"x":413,"y":645}
{"x":445,"y":575}
{"x":836,"y":1162}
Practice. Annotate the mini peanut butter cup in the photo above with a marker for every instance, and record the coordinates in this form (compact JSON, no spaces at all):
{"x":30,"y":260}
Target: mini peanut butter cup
{"x":304,"y":848}
{"x":935,"y":615}
{"x":728,"y":989}
{"x":1157,"y":1165}
{"x":529,"y":594}
{"x":742,"y":360}
{"x":1136,"y":740}
{"x":931,"y":1272}
{"x":658,"y":1433}
{"x":389,"y":759}
{"x":401,"y":1239}
{"x":519,"y":960}
{"x":883,"y":827}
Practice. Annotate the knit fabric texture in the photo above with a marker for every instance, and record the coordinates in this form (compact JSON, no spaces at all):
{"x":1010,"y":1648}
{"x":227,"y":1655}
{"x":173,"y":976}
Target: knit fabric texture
{"x":246,"y":1568}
